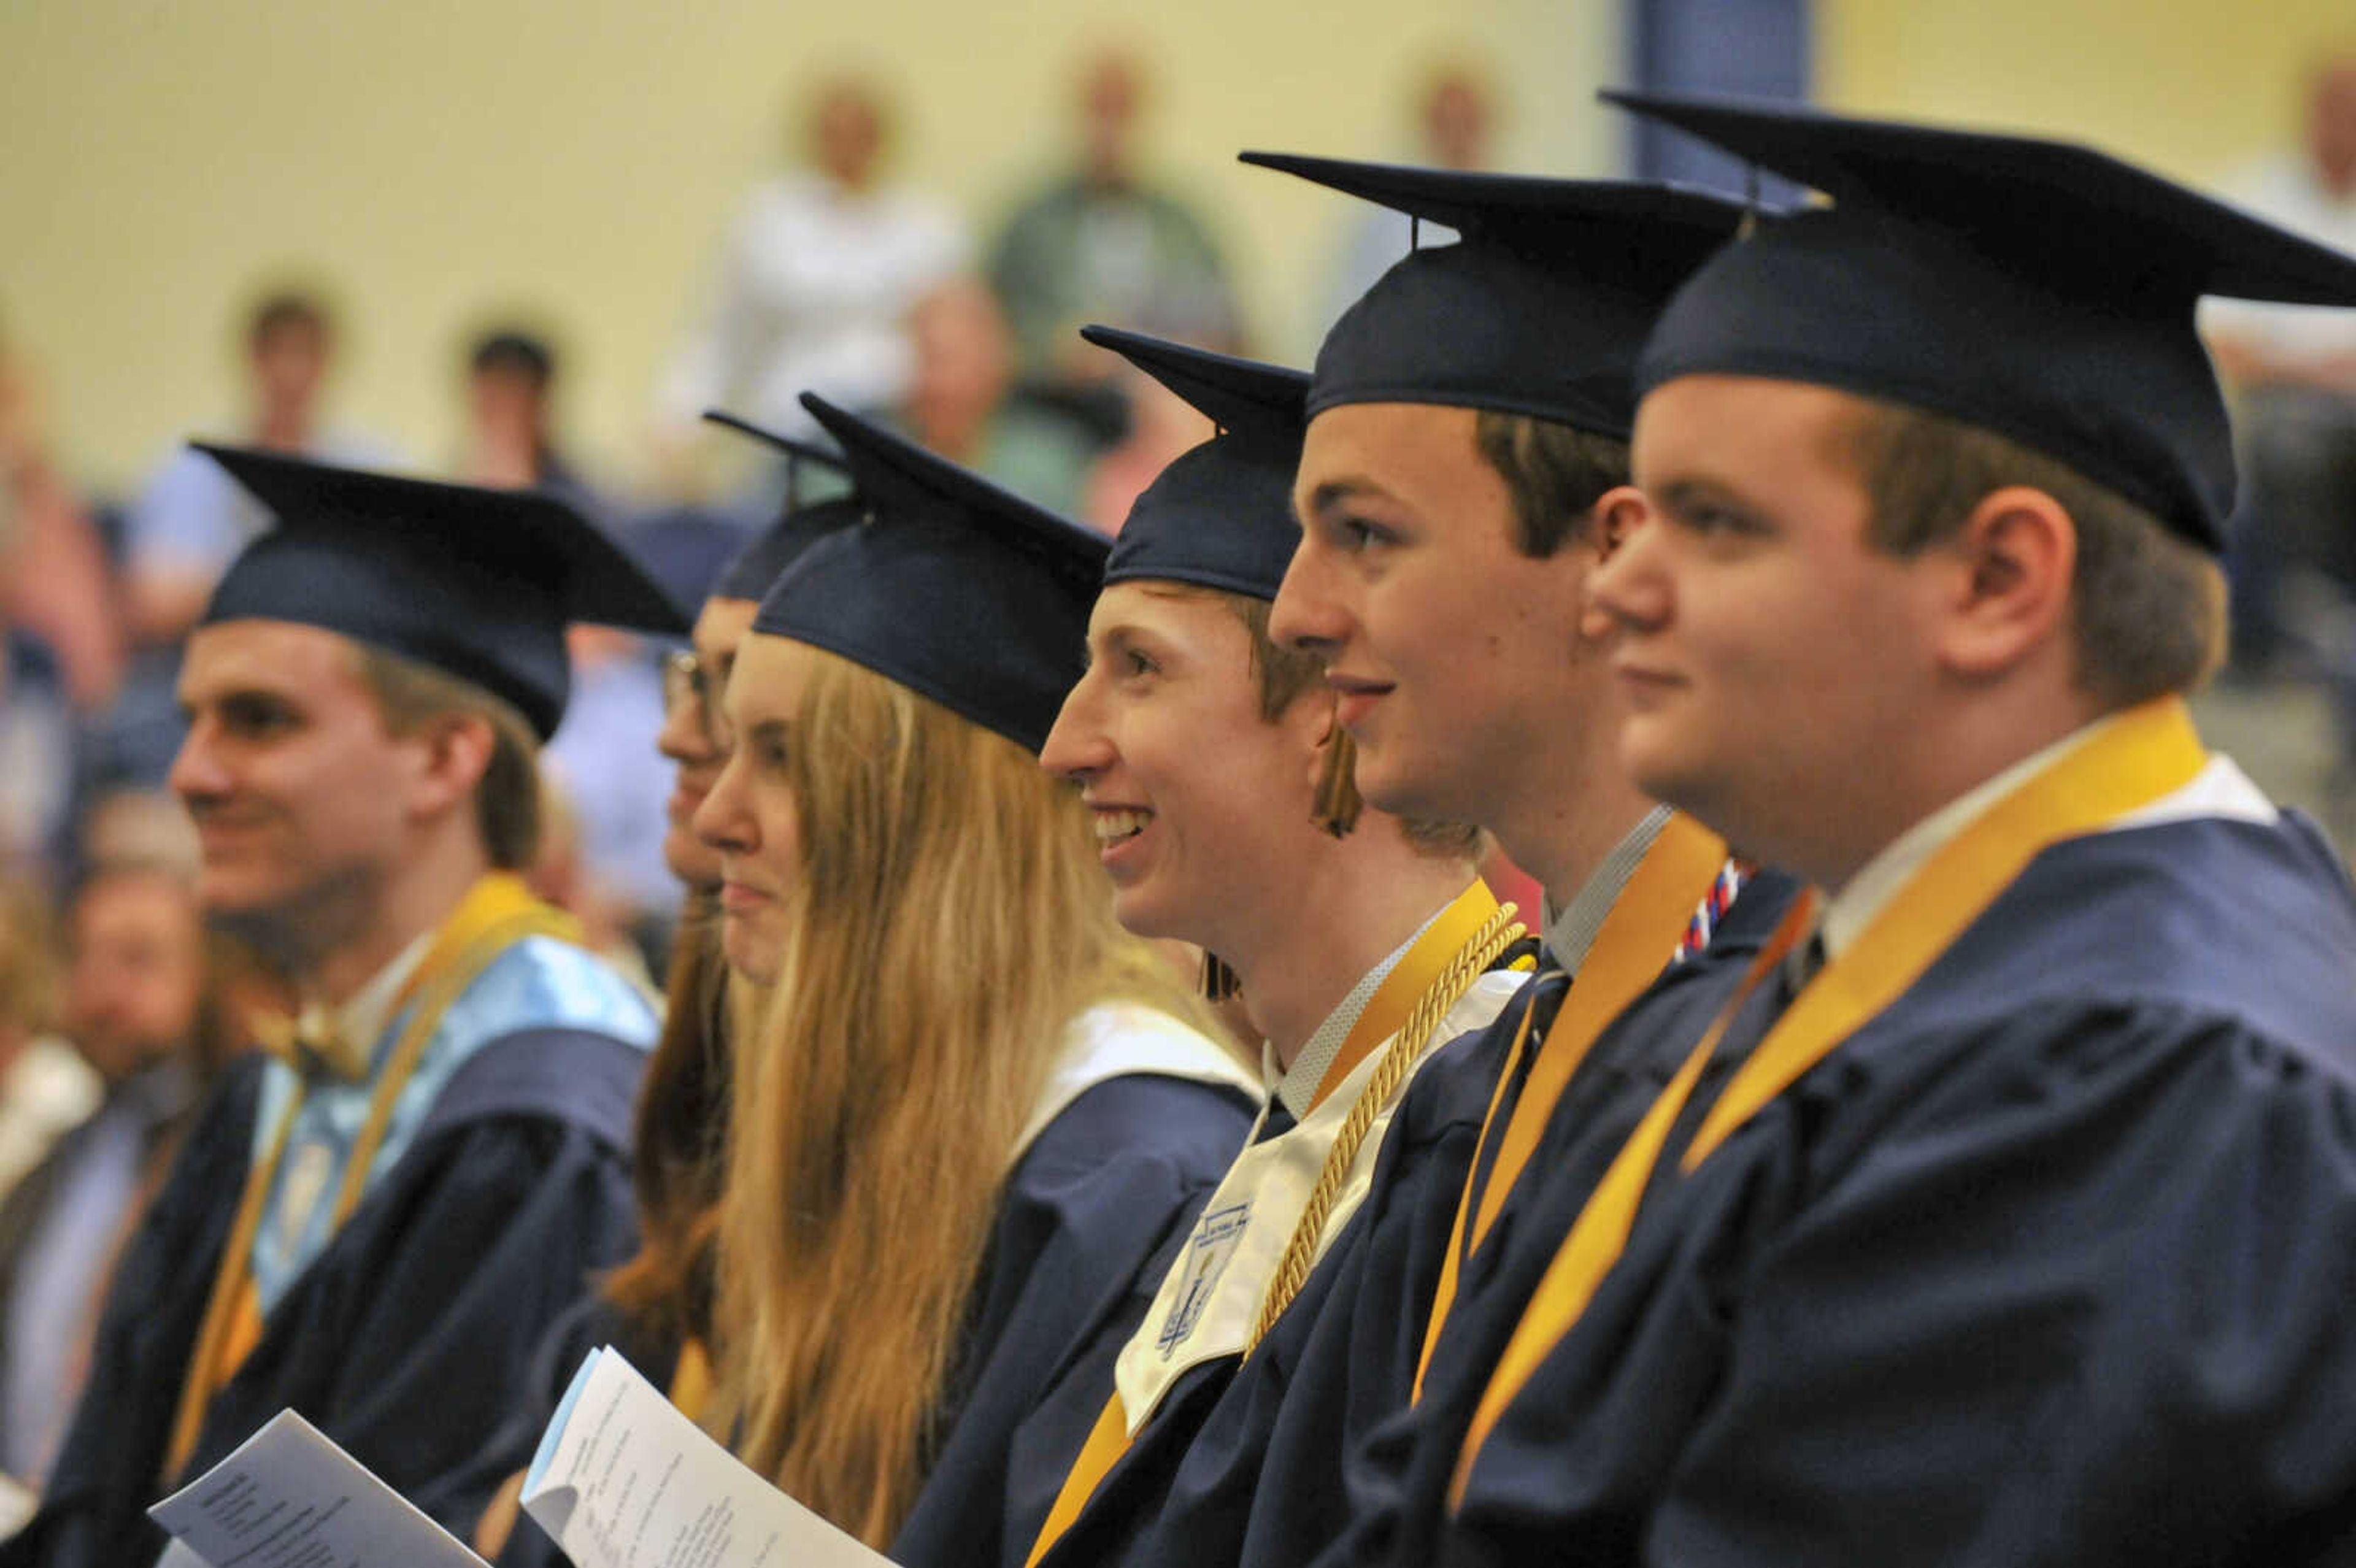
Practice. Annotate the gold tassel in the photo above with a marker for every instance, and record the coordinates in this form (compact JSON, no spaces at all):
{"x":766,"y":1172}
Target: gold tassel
{"x":1338,"y":802}
{"x":1218,"y":982}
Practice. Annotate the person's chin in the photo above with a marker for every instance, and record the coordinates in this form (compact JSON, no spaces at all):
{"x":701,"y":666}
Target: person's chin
{"x":1658,"y":764}
{"x":751,"y":952}
{"x":234,"y":889}
{"x":1392,"y":778}
{"x":1143,"y":909}
{"x":269,"y":917}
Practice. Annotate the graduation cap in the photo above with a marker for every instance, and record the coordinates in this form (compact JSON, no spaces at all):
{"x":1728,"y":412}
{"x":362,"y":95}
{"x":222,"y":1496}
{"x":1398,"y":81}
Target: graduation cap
{"x":1539,"y":308}
{"x":961,"y":591}
{"x":476,"y":582}
{"x":799,"y":526}
{"x":1221,"y":515}
{"x":2037,"y":289}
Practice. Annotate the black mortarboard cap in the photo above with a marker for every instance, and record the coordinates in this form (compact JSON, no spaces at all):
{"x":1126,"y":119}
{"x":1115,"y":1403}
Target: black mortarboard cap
{"x":2037,"y":289}
{"x":799,"y":524}
{"x":1221,"y":515}
{"x":475,"y":583}
{"x":1539,"y":308}
{"x":961,"y":591}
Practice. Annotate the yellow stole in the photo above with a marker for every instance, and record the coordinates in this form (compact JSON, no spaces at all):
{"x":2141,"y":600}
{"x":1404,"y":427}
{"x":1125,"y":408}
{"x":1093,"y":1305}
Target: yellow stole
{"x":498,"y":911}
{"x":690,"y":1380}
{"x":1438,"y":963}
{"x":2136,"y":758}
{"x":1633,"y":945}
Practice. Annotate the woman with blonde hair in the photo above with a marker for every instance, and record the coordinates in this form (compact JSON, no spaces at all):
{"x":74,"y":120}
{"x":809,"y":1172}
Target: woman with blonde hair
{"x":657,"y":1307}
{"x":973,"y":1118}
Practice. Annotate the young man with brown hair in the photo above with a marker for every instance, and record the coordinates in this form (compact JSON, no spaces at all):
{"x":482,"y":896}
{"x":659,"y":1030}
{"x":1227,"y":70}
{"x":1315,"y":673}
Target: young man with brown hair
{"x":1470,"y":418}
{"x":2007,"y":1212}
{"x":1361,"y":947}
{"x":373,"y":1223}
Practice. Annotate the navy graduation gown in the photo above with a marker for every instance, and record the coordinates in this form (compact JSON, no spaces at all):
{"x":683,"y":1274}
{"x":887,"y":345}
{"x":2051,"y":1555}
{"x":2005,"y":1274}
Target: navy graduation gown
{"x":1185,"y":1490}
{"x":1093,"y":1215}
{"x":408,"y":1339}
{"x":2051,"y":1262}
{"x":1390,"y":1485}
{"x":1243,"y":1462}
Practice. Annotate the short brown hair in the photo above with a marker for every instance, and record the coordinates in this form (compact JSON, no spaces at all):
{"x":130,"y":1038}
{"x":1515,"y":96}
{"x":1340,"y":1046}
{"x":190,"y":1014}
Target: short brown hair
{"x":1554,"y":472}
{"x":1287,"y":674}
{"x":286,"y":309}
{"x":507,"y":799}
{"x":2147,"y":606}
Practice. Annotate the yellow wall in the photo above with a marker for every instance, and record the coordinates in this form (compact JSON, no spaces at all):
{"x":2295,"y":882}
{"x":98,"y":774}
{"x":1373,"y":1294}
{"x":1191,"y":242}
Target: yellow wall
{"x":2191,"y":87}
{"x":435,"y":159}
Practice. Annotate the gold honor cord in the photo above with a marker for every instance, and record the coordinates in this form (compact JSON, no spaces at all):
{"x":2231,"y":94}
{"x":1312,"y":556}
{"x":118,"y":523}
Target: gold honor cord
{"x":1460,"y":942}
{"x":1500,"y":931}
{"x":2136,"y":758}
{"x":496,"y":913}
{"x":1633,"y":945}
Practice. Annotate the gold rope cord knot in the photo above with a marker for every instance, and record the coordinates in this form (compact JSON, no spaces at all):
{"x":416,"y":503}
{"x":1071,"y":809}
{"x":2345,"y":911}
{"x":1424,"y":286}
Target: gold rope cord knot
{"x":1500,"y":931}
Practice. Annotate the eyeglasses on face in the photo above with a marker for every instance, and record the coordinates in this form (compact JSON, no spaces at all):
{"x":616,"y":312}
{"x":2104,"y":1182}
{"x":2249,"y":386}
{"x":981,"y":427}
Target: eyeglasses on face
{"x":691,"y":684}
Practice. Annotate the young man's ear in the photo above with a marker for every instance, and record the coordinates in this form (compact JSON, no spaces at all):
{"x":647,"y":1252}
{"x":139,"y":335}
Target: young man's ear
{"x":458,"y":752}
{"x":2014,"y":563}
{"x":1619,"y":513}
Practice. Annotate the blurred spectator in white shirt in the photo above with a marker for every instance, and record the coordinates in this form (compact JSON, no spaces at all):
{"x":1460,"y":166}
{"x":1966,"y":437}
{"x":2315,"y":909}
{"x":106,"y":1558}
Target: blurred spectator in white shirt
{"x":816,"y":277}
{"x":192,"y":519}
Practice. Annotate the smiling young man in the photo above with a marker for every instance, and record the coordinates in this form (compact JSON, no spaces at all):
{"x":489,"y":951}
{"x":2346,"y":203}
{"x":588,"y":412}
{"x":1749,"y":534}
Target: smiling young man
{"x":1464,"y":477}
{"x":2023,"y":1227}
{"x":374,"y":1223}
{"x":1208,"y":756}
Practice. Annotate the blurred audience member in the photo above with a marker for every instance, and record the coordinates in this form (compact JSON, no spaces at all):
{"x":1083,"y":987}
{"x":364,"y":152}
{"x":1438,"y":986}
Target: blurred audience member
{"x":149,"y":1014}
{"x":1162,"y":426}
{"x":610,"y":926}
{"x":54,"y":578}
{"x":816,"y":278}
{"x":1456,"y":114}
{"x":192,"y":517}
{"x":40,"y":756}
{"x":510,"y":440}
{"x":1102,"y":242}
{"x":59,"y":645}
{"x":45,"y":1087}
{"x":617,"y":784}
{"x":2293,"y":370}
{"x":963,"y":403}
{"x":181,"y":533}
{"x":149,"y":827}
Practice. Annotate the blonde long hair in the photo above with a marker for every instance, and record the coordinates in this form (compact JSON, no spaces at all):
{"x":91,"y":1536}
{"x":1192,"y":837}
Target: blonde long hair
{"x":949,"y":925}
